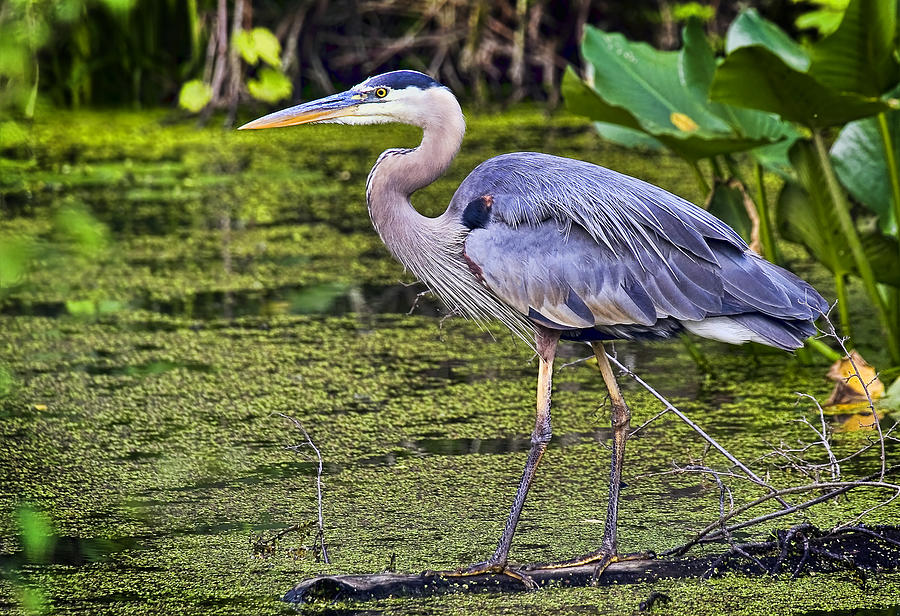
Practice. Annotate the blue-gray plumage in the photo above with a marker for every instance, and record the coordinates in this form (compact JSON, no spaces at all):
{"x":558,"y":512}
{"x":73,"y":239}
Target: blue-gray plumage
{"x":606,"y":252}
{"x":560,"y":248}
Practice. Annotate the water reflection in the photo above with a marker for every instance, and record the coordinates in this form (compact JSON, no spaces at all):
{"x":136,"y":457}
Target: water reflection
{"x":332,"y":298}
{"x":441,"y":446}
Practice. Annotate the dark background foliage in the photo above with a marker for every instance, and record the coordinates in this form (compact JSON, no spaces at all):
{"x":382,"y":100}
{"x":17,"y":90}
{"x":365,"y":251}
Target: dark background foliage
{"x":139,"y":53}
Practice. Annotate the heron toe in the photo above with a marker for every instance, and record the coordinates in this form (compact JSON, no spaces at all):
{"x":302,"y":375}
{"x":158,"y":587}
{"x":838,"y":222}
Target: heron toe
{"x":489,"y":567}
{"x":601,"y":558}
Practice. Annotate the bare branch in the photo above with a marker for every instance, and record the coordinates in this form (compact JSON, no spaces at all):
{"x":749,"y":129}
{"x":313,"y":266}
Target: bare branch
{"x":320,"y":533}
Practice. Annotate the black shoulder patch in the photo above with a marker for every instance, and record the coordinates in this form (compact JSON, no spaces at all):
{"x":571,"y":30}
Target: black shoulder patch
{"x":478,"y":212}
{"x":397,"y":80}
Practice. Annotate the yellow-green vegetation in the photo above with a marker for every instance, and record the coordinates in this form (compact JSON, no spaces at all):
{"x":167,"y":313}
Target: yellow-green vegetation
{"x":183,"y":285}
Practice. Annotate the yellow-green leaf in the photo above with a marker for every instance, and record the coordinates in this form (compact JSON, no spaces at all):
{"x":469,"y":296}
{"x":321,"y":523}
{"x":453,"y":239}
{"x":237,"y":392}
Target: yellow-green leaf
{"x":258,"y":44}
{"x":271,"y":86}
{"x":194,"y":95}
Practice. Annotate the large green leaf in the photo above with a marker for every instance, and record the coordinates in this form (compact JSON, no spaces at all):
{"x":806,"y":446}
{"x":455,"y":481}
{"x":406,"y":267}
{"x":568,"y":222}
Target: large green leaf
{"x":751,"y":29}
{"x":696,"y":60}
{"x":774,"y":157}
{"x":663,"y":95}
{"x":755,"y":77}
{"x":805,"y":215}
{"x":860,"y":163}
{"x":697,"y":67}
{"x":628,"y":137}
{"x":584,"y":100}
{"x":859,"y":55}
{"x":802,"y":217}
{"x":645,"y":81}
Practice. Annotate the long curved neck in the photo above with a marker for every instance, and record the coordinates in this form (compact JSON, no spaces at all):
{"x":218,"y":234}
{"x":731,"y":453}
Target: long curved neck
{"x":432,"y":248}
{"x":399,"y":173}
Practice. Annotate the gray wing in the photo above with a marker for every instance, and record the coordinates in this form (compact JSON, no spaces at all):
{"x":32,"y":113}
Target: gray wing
{"x":619,"y":211}
{"x":576,"y":246}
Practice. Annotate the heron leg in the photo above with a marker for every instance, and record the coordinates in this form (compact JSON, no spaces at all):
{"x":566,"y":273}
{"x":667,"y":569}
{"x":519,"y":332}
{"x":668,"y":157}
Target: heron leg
{"x":621,"y":420}
{"x":547,"y":341}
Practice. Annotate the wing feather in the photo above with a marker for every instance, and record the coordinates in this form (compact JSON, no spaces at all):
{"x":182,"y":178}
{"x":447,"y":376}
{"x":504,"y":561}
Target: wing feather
{"x":575,"y":246}
{"x":621,"y":212}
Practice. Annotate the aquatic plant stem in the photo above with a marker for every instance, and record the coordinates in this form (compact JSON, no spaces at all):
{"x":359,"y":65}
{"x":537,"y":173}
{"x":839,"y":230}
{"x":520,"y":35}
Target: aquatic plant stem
{"x":766,"y":236}
{"x":825,"y":350}
{"x":761,"y":233}
{"x":891,"y":161}
{"x":894,"y":175}
{"x":840,"y":289}
{"x":842,"y":212}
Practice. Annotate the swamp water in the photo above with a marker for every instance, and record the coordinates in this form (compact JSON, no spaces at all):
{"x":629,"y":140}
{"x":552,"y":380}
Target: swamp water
{"x":179,"y":288}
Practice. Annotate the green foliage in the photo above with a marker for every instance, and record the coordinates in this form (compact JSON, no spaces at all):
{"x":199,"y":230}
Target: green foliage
{"x":77,"y":51}
{"x":727,"y":203}
{"x":826,"y":18}
{"x":87,"y":308}
{"x":803,"y":215}
{"x":860,"y":162}
{"x":686,"y":11}
{"x":15,"y":253}
{"x":258,"y":44}
{"x":860,"y":55}
{"x":663,"y":95}
{"x":270,"y":86}
{"x":750,"y":29}
{"x":81,"y":232}
{"x":194,"y":95}
{"x":756,"y":78}
{"x":835,"y":81}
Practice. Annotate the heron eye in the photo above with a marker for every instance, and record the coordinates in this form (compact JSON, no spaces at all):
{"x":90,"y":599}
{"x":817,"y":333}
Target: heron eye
{"x":381,"y":92}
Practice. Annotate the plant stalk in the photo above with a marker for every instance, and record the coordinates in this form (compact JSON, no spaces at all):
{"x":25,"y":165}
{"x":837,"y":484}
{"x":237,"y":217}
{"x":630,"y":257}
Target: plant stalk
{"x":842,"y":212}
{"x":826,"y":351}
{"x":766,"y":236}
{"x":894,"y":175}
{"x":840,"y":289}
{"x":891,"y":162}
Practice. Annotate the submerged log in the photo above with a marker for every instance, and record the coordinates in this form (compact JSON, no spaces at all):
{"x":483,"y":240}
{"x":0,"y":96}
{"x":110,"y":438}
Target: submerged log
{"x":800,"y":549}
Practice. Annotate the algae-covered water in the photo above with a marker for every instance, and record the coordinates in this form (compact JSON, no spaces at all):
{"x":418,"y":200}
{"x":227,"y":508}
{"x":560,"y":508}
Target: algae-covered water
{"x":166,"y":292}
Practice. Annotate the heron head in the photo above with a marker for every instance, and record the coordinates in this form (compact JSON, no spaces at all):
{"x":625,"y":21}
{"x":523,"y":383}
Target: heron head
{"x":399,"y":96}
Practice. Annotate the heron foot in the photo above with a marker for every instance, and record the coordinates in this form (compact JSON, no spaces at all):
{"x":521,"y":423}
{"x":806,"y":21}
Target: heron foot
{"x":488,"y":567}
{"x":602,"y":558}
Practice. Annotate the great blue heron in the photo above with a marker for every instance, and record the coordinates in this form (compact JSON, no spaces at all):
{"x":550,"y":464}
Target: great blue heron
{"x":557,"y":248}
